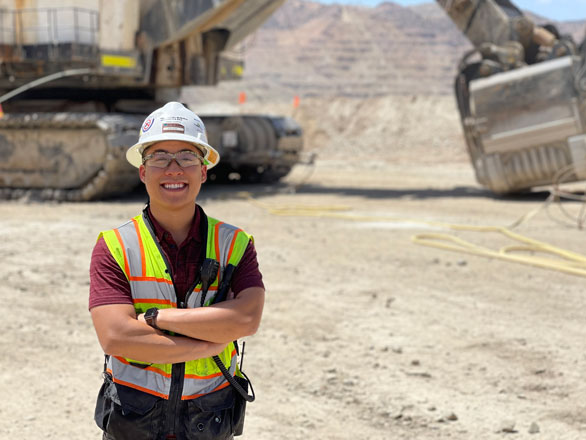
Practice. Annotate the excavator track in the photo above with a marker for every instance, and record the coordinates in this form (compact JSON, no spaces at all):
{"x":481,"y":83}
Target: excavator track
{"x":81,"y":156}
{"x":263,"y":148}
{"x":67,"y":156}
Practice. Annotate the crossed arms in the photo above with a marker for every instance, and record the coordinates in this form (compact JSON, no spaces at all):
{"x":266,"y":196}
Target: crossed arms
{"x":206,"y":330}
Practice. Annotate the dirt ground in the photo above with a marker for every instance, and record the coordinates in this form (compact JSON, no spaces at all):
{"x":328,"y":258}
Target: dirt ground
{"x":365,"y":334}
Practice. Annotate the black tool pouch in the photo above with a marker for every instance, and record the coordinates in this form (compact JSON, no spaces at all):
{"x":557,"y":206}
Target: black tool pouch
{"x":123,"y":421}
{"x":104,"y":402}
{"x":209,"y":417}
{"x":240,"y":387}
{"x":239,"y":407}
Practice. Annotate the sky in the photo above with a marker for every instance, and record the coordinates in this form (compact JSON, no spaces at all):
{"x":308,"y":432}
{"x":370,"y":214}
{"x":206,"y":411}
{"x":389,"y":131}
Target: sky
{"x":553,"y":9}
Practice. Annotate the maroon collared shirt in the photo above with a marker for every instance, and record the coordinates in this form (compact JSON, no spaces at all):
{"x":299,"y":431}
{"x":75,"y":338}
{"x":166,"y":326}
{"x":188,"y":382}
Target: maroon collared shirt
{"x":108,"y":284}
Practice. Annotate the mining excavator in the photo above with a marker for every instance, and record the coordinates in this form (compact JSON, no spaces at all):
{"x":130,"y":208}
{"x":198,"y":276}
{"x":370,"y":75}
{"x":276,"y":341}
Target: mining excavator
{"x":521,"y":93}
{"x":78,"y":77}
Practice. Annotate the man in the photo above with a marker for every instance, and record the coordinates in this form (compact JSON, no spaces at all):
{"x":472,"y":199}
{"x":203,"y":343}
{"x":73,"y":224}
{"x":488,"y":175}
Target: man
{"x":159,"y":308}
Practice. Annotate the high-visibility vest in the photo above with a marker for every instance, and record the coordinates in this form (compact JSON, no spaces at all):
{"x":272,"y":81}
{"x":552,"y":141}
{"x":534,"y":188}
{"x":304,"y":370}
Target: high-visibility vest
{"x":135,"y":248}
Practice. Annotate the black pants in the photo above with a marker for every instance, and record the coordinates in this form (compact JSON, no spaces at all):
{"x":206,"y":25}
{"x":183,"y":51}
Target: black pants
{"x":215,"y":416}
{"x":108,"y":437}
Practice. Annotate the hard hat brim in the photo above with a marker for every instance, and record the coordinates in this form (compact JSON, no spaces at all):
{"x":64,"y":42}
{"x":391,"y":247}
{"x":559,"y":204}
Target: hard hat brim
{"x":134,"y":153}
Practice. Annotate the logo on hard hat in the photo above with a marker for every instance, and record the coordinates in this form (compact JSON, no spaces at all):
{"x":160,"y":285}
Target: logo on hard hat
{"x":147,"y":124}
{"x":173,"y":128}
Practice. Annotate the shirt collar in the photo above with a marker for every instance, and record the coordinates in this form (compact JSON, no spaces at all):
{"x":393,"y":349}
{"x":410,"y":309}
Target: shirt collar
{"x":163,"y":235}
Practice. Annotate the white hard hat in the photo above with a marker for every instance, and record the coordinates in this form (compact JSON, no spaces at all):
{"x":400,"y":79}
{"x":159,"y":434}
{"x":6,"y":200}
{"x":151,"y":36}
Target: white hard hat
{"x":172,"y":122}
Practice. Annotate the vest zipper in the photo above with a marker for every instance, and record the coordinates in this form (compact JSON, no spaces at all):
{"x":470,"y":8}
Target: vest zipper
{"x":177,"y":378}
{"x":177,"y":370}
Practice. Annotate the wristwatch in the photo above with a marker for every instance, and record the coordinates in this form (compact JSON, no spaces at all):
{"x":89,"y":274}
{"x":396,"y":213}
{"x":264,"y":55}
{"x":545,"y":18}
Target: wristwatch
{"x":150,"y":317}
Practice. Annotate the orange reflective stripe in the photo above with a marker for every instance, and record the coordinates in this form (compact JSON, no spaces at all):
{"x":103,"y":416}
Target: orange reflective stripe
{"x":167,"y":302}
{"x":149,"y":368}
{"x":142,"y":258}
{"x":238,"y":231}
{"x":195,"y":396}
{"x":138,"y":387}
{"x":195,"y":376}
{"x":199,"y":289}
{"x":126,"y":269}
{"x":158,"y":280}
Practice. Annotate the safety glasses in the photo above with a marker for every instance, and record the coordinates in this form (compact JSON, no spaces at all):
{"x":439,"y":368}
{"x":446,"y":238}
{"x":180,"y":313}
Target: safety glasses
{"x":162,"y":159}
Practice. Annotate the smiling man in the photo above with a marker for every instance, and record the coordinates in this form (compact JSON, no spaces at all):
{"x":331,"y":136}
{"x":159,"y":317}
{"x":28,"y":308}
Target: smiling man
{"x":169,"y":292}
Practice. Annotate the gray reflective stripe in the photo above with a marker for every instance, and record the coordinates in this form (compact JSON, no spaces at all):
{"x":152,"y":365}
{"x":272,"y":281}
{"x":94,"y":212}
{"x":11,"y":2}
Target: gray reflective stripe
{"x":225,"y":235}
{"x":146,"y":379}
{"x":132,"y":248}
{"x":194,"y":299}
{"x":192,"y":387}
{"x":160,"y":385}
{"x":152,"y":290}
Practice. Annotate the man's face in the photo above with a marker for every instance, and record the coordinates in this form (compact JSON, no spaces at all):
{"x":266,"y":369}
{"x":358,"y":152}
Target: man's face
{"x":172,"y":187}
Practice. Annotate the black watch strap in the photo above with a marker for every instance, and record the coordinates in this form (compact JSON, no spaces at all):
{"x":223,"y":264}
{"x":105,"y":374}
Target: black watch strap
{"x":150,"y":317}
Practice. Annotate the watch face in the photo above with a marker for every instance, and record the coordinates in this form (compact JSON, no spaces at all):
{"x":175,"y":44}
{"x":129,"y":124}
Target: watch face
{"x":150,"y":316}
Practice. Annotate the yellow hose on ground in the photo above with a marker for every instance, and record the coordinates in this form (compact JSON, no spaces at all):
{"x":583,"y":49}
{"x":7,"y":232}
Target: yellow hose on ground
{"x":566,"y":261}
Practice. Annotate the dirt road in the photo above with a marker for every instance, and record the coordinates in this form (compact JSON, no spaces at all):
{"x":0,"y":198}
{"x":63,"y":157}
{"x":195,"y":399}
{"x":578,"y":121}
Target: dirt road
{"x":365,"y":335}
